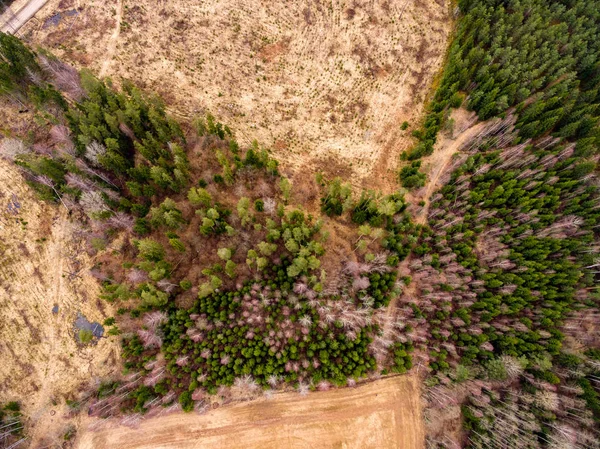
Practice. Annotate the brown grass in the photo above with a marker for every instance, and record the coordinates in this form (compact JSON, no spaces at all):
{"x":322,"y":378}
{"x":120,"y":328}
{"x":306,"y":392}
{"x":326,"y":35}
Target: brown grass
{"x":42,"y":365}
{"x":315,"y":81}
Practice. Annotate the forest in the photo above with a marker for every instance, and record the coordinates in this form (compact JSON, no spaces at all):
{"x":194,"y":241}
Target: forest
{"x":220,"y":275}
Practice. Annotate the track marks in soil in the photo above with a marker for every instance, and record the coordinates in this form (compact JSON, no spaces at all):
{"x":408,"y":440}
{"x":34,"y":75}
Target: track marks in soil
{"x":41,"y":363}
{"x":112,"y":43}
{"x":440,"y":160}
{"x":375,"y":415}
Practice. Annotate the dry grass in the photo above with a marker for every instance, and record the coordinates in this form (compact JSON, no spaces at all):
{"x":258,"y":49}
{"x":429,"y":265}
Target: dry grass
{"x":315,"y":81}
{"x":326,"y":85}
{"x":42,"y":364}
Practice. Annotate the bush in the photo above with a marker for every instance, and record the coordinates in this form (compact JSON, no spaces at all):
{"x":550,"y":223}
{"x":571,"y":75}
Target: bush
{"x":85,"y":336}
{"x":185,"y":399}
{"x":411,"y":177}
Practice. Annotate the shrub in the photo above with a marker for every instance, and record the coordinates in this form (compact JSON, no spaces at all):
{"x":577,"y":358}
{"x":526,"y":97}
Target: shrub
{"x":85,"y":336}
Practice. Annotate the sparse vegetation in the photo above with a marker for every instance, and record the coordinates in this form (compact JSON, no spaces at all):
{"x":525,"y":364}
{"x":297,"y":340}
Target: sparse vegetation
{"x":226,"y":288}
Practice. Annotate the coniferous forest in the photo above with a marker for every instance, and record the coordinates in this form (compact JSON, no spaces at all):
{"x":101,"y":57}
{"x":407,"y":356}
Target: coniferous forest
{"x":222,"y":282}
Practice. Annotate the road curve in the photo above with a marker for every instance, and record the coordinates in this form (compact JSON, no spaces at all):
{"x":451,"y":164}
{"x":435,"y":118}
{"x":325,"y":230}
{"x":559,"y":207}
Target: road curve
{"x":11,"y":22}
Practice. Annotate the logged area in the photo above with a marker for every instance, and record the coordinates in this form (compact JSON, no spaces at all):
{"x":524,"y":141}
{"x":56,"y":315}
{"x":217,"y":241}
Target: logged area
{"x":325,"y":85}
{"x":44,"y":285}
{"x":262,"y":214}
{"x":381,"y":414}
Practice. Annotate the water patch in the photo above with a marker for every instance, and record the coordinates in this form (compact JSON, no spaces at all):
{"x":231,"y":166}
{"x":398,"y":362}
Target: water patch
{"x":82,"y":323}
{"x":14,"y":205}
{"x":55,"y":19}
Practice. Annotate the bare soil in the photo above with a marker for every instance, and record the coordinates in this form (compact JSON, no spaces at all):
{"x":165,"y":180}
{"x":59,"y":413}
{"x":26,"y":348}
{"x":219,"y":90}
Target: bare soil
{"x":314,"y":81}
{"x":375,"y":415}
{"x":42,"y":364}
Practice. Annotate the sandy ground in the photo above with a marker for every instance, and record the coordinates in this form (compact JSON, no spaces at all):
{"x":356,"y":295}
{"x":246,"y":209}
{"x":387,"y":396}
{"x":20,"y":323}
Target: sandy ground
{"x":326,"y":85}
{"x":42,"y":365}
{"x":376,"y":415}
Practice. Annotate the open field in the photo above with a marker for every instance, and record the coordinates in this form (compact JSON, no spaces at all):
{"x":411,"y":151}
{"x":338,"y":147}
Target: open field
{"x":42,"y":365}
{"x":326,"y":85}
{"x":382,"y":414}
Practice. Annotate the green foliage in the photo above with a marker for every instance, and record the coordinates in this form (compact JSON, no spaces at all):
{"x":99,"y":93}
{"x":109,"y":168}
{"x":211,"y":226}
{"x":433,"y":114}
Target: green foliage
{"x":214,"y":220}
{"x":495,"y":370}
{"x":411,"y":177}
{"x":209,"y":126}
{"x":85,"y":336}
{"x":222,"y":359}
{"x":337,"y":199}
{"x":225,"y":253}
{"x":153,"y":297}
{"x":591,"y":396}
{"x":402,"y":358}
{"x":199,"y":197}
{"x":230,"y":268}
{"x":286,"y":189}
{"x":177,"y":245}
{"x":150,"y":250}
{"x":17,"y":60}
{"x":166,"y":214}
{"x":185,"y":399}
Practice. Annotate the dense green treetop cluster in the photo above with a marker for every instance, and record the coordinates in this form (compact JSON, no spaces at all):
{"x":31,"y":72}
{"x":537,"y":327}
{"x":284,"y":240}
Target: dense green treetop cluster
{"x":539,"y":57}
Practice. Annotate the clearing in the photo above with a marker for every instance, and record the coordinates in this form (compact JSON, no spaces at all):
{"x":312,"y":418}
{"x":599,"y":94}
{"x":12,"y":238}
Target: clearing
{"x":326,"y":85}
{"x":42,"y":365}
{"x":378,"y":415}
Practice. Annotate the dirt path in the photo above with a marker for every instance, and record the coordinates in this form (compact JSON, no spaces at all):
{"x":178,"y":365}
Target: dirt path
{"x":378,"y":415}
{"x":41,"y":363}
{"x":12,"y":22}
{"x":112,"y":44}
{"x":440,"y":160}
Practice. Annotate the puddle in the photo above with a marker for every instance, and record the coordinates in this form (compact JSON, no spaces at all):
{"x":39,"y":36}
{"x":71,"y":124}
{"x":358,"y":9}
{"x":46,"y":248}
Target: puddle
{"x":13,"y":205}
{"x":56,"y":18}
{"x":81,"y":323}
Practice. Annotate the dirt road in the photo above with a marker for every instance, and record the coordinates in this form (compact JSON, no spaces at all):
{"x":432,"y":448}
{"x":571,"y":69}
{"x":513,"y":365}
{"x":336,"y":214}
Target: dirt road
{"x":112,"y":45}
{"x":381,"y":414}
{"x":12,"y":22}
{"x":440,"y":160}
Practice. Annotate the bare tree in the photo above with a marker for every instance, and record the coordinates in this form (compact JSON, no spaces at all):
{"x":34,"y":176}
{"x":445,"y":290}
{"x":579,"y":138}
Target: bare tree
{"x":10,"y":149}
{"x":93,"y":151}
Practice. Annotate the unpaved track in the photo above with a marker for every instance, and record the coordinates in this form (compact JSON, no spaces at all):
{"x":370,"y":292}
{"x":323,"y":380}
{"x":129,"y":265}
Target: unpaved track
{"x":440,"y":159}
{"x":12,"y":22}
{"x":114,"y":38}
{"x":379,"y":415}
